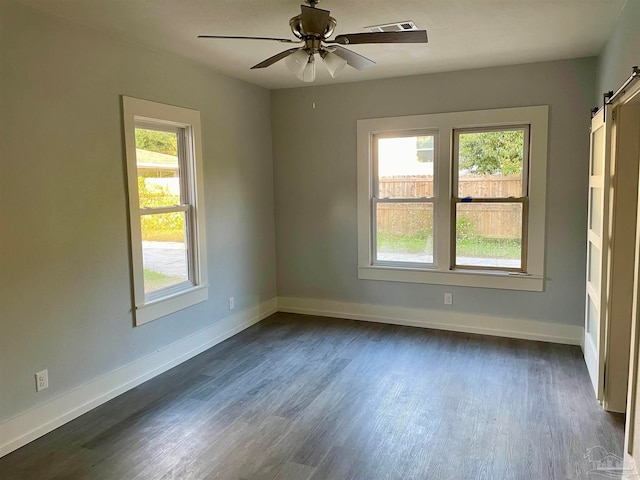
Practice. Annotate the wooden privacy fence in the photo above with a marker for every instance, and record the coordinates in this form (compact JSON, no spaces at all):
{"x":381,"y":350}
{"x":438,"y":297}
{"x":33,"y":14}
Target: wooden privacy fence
{"x":499,"y":221}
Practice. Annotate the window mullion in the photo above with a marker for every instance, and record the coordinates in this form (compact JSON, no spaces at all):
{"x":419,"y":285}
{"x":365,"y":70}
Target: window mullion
{"x":525,"y":233}
{"x":183,"y":165}
{"x":405,"y":200}
{"x":525,"y":159}
{"x":489,"y":199}
{"x":158,"y":210}
{"x":442,"y":192}
{"x":154,"y":125}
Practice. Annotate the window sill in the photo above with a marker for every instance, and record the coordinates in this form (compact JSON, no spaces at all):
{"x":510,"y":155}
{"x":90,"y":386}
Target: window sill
{"x":170,"y":304}
{"x":460,"y":278}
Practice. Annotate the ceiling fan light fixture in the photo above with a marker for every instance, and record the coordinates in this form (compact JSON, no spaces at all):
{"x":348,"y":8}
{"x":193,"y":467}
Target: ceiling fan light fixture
{"x":308,"y":75}
{"x":297,"y":62}
{"x":333,"y":62}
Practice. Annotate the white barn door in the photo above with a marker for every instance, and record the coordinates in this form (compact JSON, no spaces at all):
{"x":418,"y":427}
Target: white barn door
{"x":597,"y":244}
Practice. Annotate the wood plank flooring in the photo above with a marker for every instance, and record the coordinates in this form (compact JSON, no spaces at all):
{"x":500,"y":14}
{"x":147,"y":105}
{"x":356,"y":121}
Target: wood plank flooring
{"x":309,"y":398}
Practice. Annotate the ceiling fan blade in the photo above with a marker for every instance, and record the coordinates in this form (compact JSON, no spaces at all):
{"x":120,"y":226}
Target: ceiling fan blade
{"x":408,"y":36}
{"x":354,"y":59}
{"x":314,"y":20}
{"x":275,"y":58}
{"x":283,"y":40}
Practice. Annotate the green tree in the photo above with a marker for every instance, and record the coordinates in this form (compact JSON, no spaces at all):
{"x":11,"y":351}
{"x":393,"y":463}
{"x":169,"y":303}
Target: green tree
{"x":492,"y":153}
{"x":156,"y":141}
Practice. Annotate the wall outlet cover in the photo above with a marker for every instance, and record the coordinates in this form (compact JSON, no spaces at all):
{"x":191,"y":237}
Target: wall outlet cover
{"x":448,"y":298}
{"x":42,"y":380}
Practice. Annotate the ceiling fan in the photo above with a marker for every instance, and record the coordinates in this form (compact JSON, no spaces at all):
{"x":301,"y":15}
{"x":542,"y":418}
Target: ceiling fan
{"x":312,"y":28}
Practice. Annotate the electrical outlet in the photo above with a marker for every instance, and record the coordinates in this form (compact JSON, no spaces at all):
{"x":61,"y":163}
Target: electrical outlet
{"x":448,"y":298}
{"x":42,"y":380}
{"x":232,"y":303}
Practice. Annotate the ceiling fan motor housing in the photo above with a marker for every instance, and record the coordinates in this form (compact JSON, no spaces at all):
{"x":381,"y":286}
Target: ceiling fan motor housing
{"x":322,"y":28}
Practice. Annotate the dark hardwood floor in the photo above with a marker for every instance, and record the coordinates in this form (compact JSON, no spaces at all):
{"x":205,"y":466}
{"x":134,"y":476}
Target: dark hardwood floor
{"x":298,"y":397}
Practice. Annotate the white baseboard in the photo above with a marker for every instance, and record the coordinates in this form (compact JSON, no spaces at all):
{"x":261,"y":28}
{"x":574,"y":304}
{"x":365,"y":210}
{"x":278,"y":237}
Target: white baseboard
{"x":438,"y":319}
{"x":26,"y":427}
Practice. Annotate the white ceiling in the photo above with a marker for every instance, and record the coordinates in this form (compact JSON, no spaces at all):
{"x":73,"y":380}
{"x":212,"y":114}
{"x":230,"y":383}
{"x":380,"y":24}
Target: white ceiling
{"x":463,"y":34}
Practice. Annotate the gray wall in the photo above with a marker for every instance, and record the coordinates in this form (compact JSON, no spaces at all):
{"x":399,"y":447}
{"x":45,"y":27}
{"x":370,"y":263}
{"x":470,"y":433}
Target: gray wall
{"x":621,"y":52}
{"x":65,"y":291}
{"x":315,"y":184}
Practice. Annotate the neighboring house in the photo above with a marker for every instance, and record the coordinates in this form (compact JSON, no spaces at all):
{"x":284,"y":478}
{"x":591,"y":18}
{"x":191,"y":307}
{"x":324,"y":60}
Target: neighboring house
{"x":159,"y":169}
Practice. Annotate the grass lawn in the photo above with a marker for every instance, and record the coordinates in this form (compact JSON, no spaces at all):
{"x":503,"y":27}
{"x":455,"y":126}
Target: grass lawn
{"x":488,"y":248}
{"x":404,"y":244}
{"x":475,"y":248}
{"x":155,"y":281}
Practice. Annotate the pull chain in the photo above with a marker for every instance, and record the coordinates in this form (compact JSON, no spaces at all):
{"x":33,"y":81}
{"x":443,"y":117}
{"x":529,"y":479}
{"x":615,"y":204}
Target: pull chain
{"x":313,"y":95}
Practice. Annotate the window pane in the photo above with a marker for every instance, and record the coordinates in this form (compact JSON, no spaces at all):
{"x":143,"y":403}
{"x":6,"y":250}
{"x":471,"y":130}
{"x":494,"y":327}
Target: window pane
{"x":490,"y":164}
{"x":592,"y":322}
{"x":164,"y":250}
{"x":594,"y":266}
{"x":158,"y":168}
{"x":595,"y":222}
{"x":405,"y":167}
{"x":405,"y":232}
{"x":597,"y":155}
{"x":489,"y":235}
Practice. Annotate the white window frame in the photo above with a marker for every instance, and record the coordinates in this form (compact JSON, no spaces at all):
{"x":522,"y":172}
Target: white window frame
{"x":376,"y":200}
{"x":536,"y":117}
{"x":186,"y":122}
{"x":523,"y":199}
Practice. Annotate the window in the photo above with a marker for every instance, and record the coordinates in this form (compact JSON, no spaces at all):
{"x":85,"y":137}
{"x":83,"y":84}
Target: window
{"x":404,"y":199}
{"x":489,"y":200}
{"x":164,"y":170}
{"x":454,"y":198}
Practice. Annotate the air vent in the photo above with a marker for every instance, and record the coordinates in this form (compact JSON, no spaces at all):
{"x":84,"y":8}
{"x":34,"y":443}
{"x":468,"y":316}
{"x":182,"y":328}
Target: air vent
{"x":393,"y":27}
